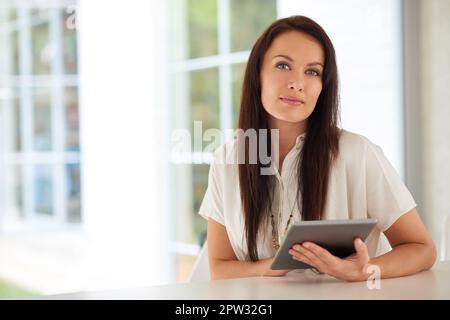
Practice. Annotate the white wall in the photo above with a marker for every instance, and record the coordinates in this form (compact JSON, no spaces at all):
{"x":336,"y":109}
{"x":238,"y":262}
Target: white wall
{"x":121,"y":133}
{"x":367,"y":39}
{"x":435,"y":114}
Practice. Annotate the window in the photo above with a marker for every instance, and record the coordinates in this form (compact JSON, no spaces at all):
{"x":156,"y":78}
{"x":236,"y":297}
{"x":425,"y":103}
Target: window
{"x":210,"y":43}
{"x":366,"y":45}
{"x":39,"y":148}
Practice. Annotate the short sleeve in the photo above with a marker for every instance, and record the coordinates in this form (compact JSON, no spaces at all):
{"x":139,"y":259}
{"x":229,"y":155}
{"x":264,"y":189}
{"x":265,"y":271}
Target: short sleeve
{"x":387,"y":196}
{"x":212,"y":204}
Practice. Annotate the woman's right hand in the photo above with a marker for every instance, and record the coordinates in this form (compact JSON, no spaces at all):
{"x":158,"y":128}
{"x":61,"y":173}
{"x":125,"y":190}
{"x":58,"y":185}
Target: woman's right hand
{"x":267,"y":272}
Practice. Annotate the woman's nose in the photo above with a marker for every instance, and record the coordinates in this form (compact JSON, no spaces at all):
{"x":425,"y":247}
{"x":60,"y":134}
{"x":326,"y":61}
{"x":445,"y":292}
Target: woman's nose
{"x":296,"y":85}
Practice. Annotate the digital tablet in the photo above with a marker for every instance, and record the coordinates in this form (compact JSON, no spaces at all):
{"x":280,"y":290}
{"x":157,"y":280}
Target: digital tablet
{"x":337,"y":236}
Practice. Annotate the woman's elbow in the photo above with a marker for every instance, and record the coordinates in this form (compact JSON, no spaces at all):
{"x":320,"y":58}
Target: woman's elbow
{"x":213,"y":275}
{"x":214,"y":270}
{"x":431,"y":255}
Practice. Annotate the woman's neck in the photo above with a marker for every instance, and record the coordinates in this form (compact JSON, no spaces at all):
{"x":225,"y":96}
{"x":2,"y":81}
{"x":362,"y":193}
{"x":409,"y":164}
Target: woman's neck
{"x":288,"y":133}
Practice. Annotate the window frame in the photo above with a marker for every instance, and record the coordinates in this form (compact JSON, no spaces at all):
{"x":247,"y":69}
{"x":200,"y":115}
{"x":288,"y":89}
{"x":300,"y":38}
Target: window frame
{"x":58,"y":158}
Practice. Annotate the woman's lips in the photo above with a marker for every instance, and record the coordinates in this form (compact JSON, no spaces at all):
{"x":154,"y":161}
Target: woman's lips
{"x":292,"y":101}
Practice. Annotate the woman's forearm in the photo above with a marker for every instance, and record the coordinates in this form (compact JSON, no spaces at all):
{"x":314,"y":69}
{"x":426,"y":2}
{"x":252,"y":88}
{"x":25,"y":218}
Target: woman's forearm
{"x":236,"y":269}
{"x":222,"y":269}
{"x":405,"y":259}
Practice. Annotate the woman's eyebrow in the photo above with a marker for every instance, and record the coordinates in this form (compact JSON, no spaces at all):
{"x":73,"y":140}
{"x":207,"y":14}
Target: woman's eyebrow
{"x":283,"y":56}
{"x":315,"y":64}
{"x":292,"y":60}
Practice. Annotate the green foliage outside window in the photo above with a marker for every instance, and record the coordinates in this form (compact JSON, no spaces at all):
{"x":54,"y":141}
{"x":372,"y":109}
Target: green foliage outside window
{"x":196,"y":35}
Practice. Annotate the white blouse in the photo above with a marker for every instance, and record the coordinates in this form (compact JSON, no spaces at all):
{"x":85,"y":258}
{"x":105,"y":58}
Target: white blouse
{"x":362,"y":184}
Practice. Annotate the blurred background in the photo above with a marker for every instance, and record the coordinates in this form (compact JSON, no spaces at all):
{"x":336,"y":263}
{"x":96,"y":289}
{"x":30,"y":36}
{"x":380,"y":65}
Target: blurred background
{"x":93,"y":194}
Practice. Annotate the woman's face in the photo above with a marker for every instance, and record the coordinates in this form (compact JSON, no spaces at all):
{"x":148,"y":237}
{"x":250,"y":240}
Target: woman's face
{"x":291,"y":77}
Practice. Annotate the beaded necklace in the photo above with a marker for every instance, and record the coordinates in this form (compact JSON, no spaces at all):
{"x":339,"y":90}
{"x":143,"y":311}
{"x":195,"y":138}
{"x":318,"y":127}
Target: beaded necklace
{"x":275,"y":236}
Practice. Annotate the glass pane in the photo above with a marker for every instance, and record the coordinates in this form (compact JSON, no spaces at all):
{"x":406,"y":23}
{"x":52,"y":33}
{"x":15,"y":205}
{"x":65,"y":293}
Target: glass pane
{"x":200,"y":182}
{"x":42,"y":120}
{"x":180,"y":101}
{"x":202,"y":27}
{"x":205,"y":99}
{"x":73,"y":193}
{"x":16,"y":132}
{"x":237,"y":74}
{"x":42,"y":49}
{"x":12,"y":185}
{"x":189,"y":186}
{"x":6,"y":14}
{"x":246,"y":26}
{"x":182,"y":204}
{"x":38,"y":12}
{"x":15,"y":52}
{"x":43,"y":190}
{"x":12,"y":14}
{"x":69,"y":43}
{"x":15,"y":190}
{"x":72,"y":118}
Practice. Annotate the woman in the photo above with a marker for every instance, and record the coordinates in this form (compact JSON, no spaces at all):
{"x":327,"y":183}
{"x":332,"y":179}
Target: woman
{"x":322,"y":172}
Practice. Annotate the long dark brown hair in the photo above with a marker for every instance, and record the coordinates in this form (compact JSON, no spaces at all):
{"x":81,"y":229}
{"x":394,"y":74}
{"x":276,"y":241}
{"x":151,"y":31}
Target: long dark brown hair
{"x":321,"y":144}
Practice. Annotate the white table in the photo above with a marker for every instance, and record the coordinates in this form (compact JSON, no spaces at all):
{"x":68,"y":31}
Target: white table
{"x":432,"y":284}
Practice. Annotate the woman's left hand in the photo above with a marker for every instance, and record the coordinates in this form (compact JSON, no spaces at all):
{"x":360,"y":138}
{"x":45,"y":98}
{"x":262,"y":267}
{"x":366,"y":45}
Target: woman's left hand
{"x":352,"y":268}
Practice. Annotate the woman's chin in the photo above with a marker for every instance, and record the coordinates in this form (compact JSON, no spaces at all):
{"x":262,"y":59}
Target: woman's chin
{"x":293,"y":119}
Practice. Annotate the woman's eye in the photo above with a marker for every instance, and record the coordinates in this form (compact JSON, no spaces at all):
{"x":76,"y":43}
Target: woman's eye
{"x":314,"y":72}
{"x":282,"y":66}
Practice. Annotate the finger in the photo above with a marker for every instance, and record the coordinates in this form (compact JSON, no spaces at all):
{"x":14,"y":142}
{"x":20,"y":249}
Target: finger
{"x":297,"y":255}
{"x":324,"y":255}
{"x":361,"y":249}
{"x":318,"y":263}
{"x":302,"y":258}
